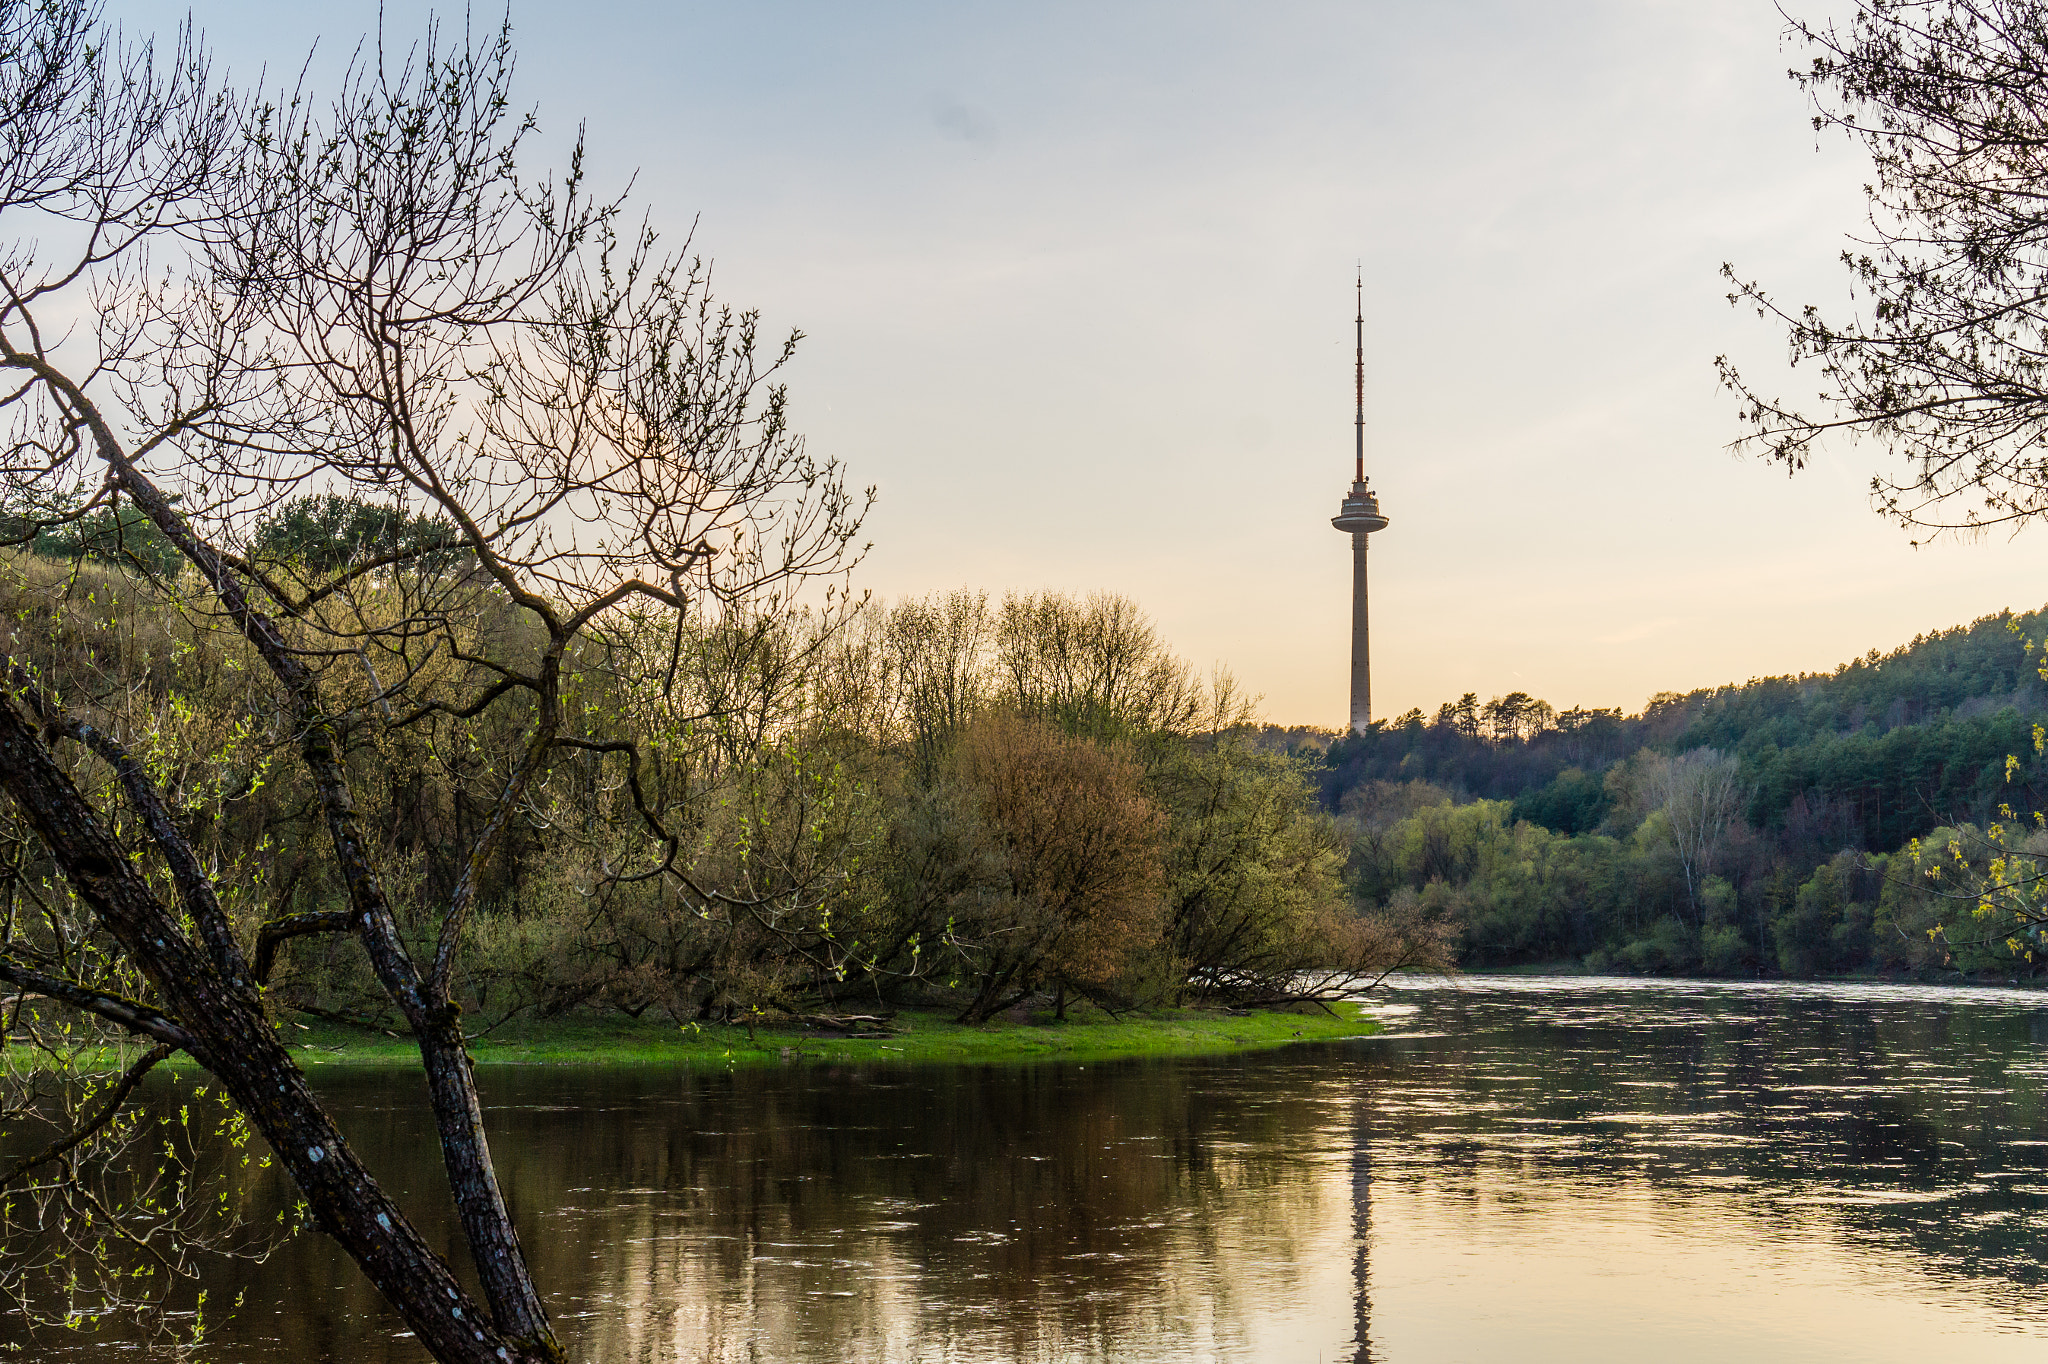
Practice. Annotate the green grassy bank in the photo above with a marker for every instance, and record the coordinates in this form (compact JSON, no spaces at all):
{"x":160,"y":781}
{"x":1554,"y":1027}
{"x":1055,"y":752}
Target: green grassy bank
{"x":914,"y":1036}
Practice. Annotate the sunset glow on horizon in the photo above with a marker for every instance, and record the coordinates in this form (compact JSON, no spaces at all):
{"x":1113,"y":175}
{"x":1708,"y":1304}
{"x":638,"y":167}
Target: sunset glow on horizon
{"x":1076,"y":288}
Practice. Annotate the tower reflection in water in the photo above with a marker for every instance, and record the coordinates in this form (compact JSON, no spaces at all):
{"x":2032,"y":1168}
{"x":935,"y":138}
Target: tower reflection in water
{"x":1538,"y":1171}
{"x":1361,"y":1226}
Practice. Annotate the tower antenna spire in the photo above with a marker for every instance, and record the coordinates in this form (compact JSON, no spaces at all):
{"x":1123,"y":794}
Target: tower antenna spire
{"x":1359,"y":518}
{"x":1359,"y":474}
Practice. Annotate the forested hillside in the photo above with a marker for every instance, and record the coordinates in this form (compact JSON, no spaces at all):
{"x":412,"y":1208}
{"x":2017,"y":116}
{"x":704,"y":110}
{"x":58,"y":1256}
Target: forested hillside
{"x":1759,"y":827}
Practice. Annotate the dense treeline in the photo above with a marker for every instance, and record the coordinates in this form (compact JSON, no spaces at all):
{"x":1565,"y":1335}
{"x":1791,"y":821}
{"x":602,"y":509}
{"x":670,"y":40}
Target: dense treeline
{"x":1783,"y":825}
{"x":954,"y":801}
{"x":984,"y":803}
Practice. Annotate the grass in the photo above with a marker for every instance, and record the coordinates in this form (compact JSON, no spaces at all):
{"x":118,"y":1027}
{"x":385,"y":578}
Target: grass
{"x":919,"y":1037}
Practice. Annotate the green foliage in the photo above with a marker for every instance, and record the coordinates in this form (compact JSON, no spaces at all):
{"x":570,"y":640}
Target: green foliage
{"x":323,"y":533}
{"x":1578,"y":841}
{"x":1827,"y":925}
{"x":1575,"y":802}
{"x":1253,"y":884}
{"x":830,"y":846}
{"x":1520,"y":893}
{"x":1669,"y":948}
{"x":1724,"y":951}
{"x":1866,"y":756}
{"x":911,"y":1035}
{"x":114,"y":534}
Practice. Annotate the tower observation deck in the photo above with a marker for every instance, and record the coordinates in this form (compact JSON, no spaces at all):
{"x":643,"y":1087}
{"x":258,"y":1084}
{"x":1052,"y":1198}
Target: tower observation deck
{"x":1359,"y":517}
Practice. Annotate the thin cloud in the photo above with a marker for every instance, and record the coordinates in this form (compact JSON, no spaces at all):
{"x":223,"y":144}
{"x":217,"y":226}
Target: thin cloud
{"x":962,"y":122}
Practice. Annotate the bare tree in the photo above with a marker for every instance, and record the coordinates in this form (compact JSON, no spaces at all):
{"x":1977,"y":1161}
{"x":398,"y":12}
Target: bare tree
{"x":369,"y":299}
{"x":940,"y":646}
{"x":1942,"y":360}
{"x":1701,"y":797}
{"x":1092,"y":665}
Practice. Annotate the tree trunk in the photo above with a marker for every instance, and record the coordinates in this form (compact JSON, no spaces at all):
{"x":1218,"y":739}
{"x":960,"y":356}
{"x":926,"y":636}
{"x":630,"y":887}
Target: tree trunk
{"x":451,"y":1085}
{"x":220,"y":1022}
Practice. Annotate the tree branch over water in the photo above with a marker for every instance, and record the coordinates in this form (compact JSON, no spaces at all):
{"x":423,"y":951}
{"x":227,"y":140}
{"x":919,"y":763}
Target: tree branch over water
{"x":561,"y":444}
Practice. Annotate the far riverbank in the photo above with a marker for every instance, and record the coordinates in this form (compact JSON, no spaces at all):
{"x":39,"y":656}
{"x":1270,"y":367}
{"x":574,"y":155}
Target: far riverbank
{"x":1942,"y":980}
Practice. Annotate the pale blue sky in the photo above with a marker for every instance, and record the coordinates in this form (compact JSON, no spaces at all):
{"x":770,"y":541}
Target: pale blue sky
{"x":1077,"y":282}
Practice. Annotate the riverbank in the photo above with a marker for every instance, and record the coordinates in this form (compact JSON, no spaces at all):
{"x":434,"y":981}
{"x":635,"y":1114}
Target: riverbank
{"x":1572,"y":967}
{"x":911,"y":1036}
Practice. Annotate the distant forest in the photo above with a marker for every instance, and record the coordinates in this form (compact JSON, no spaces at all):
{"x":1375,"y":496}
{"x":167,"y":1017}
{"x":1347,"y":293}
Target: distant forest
{"x":1777,"y":827}
{"x":1761,"y":828}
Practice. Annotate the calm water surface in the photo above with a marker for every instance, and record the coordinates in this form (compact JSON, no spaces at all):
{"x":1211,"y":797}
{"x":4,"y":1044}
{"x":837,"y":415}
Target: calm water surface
{"x":1519,"y":1169}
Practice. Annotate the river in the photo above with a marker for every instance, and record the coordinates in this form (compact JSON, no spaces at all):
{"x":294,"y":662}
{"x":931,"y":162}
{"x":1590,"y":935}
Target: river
{"x":1518,"y":1168}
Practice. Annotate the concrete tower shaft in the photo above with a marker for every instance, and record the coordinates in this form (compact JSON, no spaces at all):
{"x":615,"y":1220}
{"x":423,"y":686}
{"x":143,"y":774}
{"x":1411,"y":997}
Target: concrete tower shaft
{"x":1359,"y":517}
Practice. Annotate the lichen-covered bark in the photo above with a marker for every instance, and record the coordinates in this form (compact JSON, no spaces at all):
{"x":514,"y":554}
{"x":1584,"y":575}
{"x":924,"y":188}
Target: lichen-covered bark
{"x":501,"y":1267}
{"x":221,"y":1023}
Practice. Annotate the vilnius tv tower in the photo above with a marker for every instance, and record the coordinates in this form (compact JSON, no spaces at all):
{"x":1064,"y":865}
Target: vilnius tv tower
{"x":1359,"y":518}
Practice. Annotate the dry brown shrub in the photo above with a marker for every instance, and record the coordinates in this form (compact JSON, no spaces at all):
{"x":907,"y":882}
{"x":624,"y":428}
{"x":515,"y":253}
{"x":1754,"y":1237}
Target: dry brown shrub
{"x":1080,"y":858}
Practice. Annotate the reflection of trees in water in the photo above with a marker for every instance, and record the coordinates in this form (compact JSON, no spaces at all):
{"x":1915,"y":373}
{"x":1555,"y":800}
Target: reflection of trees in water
{"x":862,"y":1213}
{"x":989,"y":1213}
{"x":1885,"y":1123}
{"x":1046,"y":1212}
